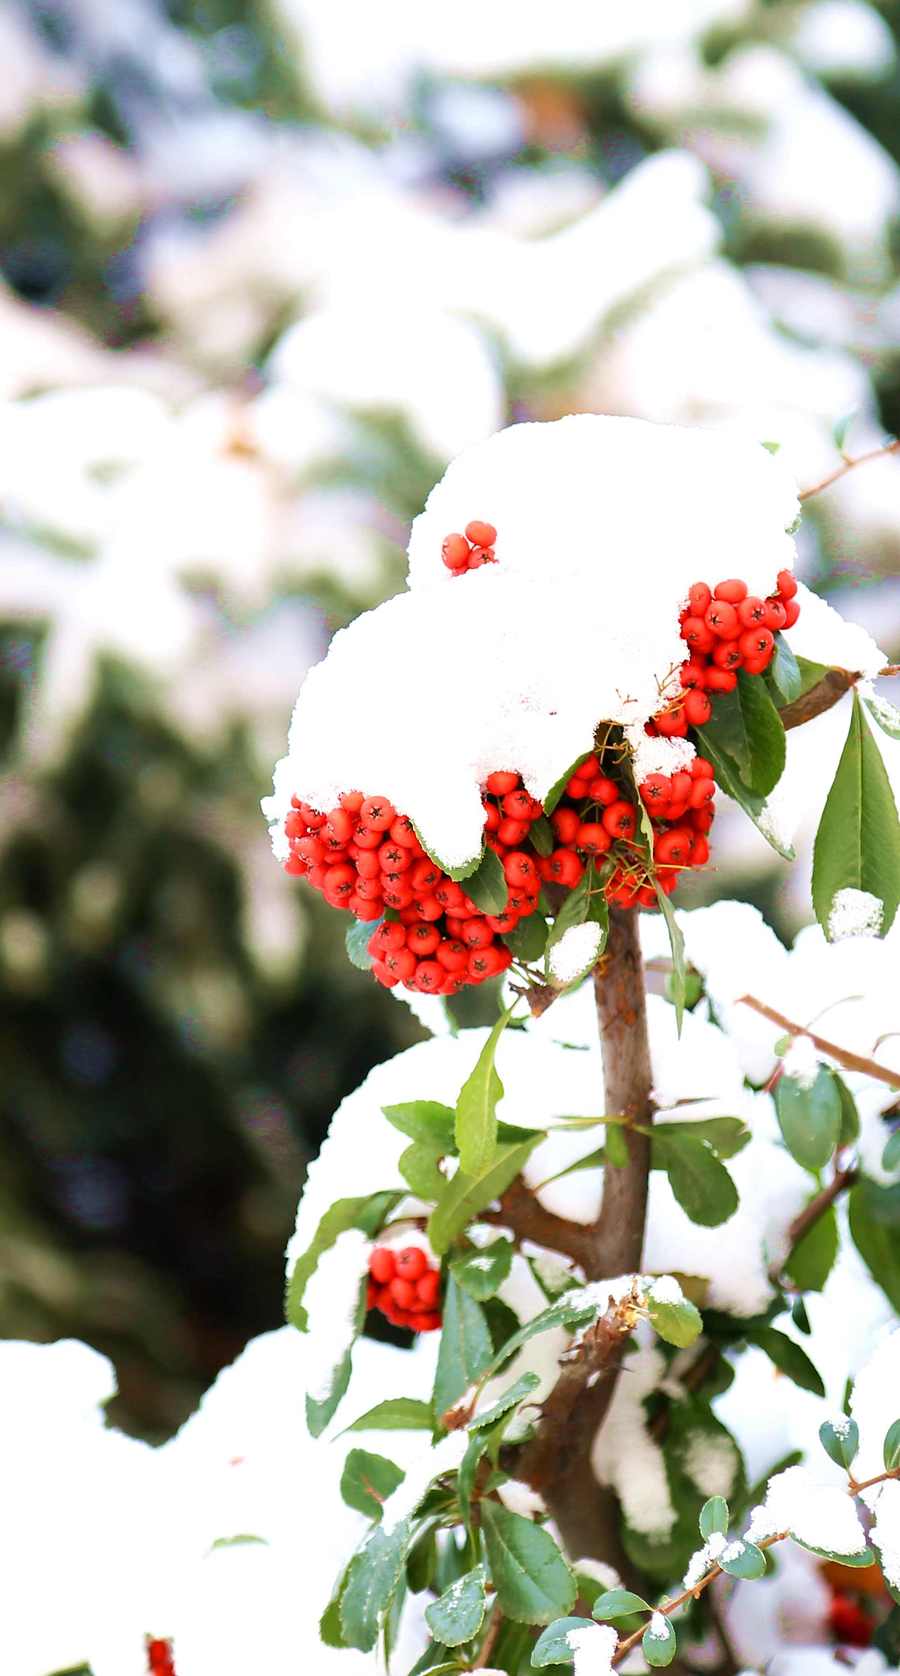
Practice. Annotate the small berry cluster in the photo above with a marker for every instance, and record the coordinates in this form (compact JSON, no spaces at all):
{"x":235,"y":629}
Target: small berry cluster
{"x":159,"y":1658}
{"x":405,"y":1287}
{"x":470,"y":551}
{"x":726,"y":629}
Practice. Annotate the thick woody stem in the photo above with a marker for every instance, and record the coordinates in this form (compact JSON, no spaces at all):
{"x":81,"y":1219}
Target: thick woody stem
{"x":619,"y":988}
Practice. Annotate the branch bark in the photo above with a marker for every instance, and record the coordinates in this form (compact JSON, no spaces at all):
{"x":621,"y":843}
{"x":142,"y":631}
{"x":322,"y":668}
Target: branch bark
{"x":849,"y":465}
{"x":832,"y":1050}
{"x":835,"y":683}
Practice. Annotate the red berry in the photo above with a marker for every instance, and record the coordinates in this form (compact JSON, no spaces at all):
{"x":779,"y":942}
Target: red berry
{"x":776,"y":615}
{"x":429,"y":977}
{"x":403,"y":1292}
{"x":364,"y":910}
{"x":455,"y":551}
{"x":700,"y":599}
{"x":292,"y":864}
{"x":389,"y":935}
{"x":500,"y":782}
{"x":702,"y":819}
{"x":603,"y":790}
{"x":674,"y":847}
{"x":620,"y":819}
{"x":787,"y":584}
{"x":339,"y":825}
{"x":702,"y":792}
{"x":576,"y":788}
{"x":425,"y":876}
{"x":502,"y":923}
{"x":377,"y":813}
{"x":480,"y":534}
{"x":427,"y":1321}
{"x":692,"y":675}
{"x":403,"y":832}
{"x":401,"y":963}
{"x":697,"y":633}
{"x":672,"y":724}
{"x":752,"y":612}
{"x":428,"y":1288}
{"x":422,"y":938}
{"x":427,"y":908}
{"x":792,"y":612}
{"x":721,"y":680}
{"x":511,"y":833}
{"x":722,"y":619}
{"x":368,"y":890}
{"x":757,"y":643}
{"x":728,"y":655}
{"x":488,"y":963}
{"x":449,"y":894}
{"x":393,"y":858}
{"x":518,"y":867}
{"x":398,"y":895}
{"x":340,"y":881}
{"x":452,"y":954}
{"x":411,"y":1263}
{"x":656,"y":790}
{"x":700,"y":851}
{"x":366,"y":838}
{"x":593,"y":838}
{"x":477,"y":934}
{"x":382,"y":1265}
{"x":732,"y":591}
{"x":697,"y":708}
{"x":480,"y":556}
{"x":565,"y":824}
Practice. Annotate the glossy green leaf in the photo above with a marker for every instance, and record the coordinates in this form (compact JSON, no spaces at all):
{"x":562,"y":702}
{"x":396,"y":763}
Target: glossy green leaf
{"x":556,"y":790}
{"x":425,"y":1120}
{"x":457,"y":1615}
{"x":552,"y":1646}
{"x":372,"y":1577}
{"x":487,"y":886}
{"x":618,"y":1603}
{"x":534,"y":1583}
{"x":522,"y":1388}
{"x":700,"y":1183}
{"x":658,"y":1642}
{"x":728,"y":778}
{"x":784,"y":672}
{"x":725,"y":1136}
{"x":858,"y":842}
{"x":743,"y":1559}
{"x":367,"y":1480}
{"x":528,"y":940}
{"x":892,"y":1447}
{"x":540,"y":836}
{"x":418,"y":1165}
{"x":396,"y":1414}
{"x":714,"y":1517}
{"x":874,"y":1214}
{"x":813,"y":1257}
{"x":476,"y":1108}
{"x":747,"y":729}
{"x":861,"y":1560}
{"x":890,"y":1158}
{"x":465,"y":1348}
{"x":840,"y":1442}
{"x":787,"y":1355}
{"x":809,"y":1117}
{"x":560,"y":1314}
{"x":321,"y":1409}
{"x":849,"y":1114}
{"x":483,"y":1272}
{"x":368,"y":1213}
{"x":679,"y":1324}
{"x":357,"y":939}
{"x":464,"y":1195}
{"x":574,"y":911}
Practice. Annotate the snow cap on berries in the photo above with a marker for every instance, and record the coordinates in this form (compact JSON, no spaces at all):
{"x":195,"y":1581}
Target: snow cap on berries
{"x":602,"y":526}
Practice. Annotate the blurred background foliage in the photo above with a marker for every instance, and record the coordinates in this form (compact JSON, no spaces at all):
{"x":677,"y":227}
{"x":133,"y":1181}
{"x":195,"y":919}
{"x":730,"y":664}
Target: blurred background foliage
{"x":266,"y":266}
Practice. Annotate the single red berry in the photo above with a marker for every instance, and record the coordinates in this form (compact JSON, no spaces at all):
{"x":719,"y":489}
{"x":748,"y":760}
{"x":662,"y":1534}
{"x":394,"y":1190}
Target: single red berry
{"x":501,"y":781}
{"x":728,"y":655}
{"x":787,"y":584}
{"x":389,"y":935}
{"x":340,"y":881}
{"x":339,"y":825}
{"x":603,"y":790}
{"x":429,"y":977}
{"x":692,"y":676}
{"x":361,"y":909}
{"x":292,"y":864}
{"x":849,"y":1622}
{"x":673,"y":724}
{"x":565,"y":824}
{"x":428,"y":1287}
{"x":577,"y":788}
{"x":382,"y":1265}
{"x":425,"y":875}
{"x":702,"y":819}
{"x":510,"y":833}
{"x":722,"y":619}
{"x":488,"y":963}
{"x":393,"y":858}
{"x":791,"y":613}
{"x":403,"y":832}
{"x":699,"y":851}
{"x":673,"y":848}
{"x":502,"y":923}
{"x":480,"y":533}
{"x":755,"y":666}
{"x":646,"y":897}
{"x":698,"y":635}
{"x":366,"y":838}
{"x":294,"y":824}
{"x":377,"y":813}
{"x":700,"y":599}
{"x":412,"y":1263}
{"x":455,"y":551}
{"x":316,"y":876}
{"x":492,"y":816}
{"x":732,"y":591}
{"x":752,"y":612}
{"x":697,"y":708}
{"x":518,"y":867}
{"x":422,"y":938}
{"x":701,"y":768}
{"x":369,"y":890}
{"x":656,"y":790}
{"x":403,"y":1292}
{"x":401,"y":963}
{"x":757,"y":643}
{"x":427,"y":1321}
{"x":593,"y":838}
{"x":477,"y":934}
{"x":449,"y":894}
{"x":452,"y":954}
{"x":427,"y":908}
{"x":776,"y":615}
{"x":702,"y":792}
{"x":721,"y":680}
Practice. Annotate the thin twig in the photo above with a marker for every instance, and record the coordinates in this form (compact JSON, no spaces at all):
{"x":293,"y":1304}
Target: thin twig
{"x":490,"y":1640}
{"x":843,"y":1056}
{"x":809,"y":1216}
{"x":850,"y":465}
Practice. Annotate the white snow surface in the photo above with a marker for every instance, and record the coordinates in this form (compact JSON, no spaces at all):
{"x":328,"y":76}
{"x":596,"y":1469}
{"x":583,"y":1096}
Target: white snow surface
{"x":802,"y":1061}
{"x":575,"y":952}
{"x":587,"y":509}
{"x":593,"y":1646}
{"x":855,"y":913}
{"x":331,"y":1300}
{"x":822,"y":1515}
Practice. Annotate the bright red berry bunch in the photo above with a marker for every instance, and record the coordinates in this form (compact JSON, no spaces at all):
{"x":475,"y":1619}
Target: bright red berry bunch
{"x":726,"y":629}
{"x":405,"y":1287}
{"x":470,"y":551}
{"x":159,"y":1658}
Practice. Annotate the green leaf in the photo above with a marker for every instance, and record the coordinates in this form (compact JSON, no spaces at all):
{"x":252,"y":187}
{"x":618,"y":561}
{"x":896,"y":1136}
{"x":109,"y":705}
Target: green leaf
{"x":510,"y":1399}
{"x":890,"y":1158}
{"x":465,"y":1348}
{"x":421,"y":1560}
{"x":367,"y":1480}
{"x":560,"y":1314}
{"x":367,"y":1213}
{"x":725,"y":1136}
{"x":875,"y":1226}
{"x":849,"y":1114}
{"x":729,"y":779}
{"x":396,"y":1414}
{"x":809,"y":1118}
{"x":886,"y":715}
{"x":892,"y":1447}
{"x":700,"y":1183}
{"x":784,"y":672}
{"x":810,"y":674}
{"x":320,"y":1410}
{"x":574,"y":911}
{"x":748,"y":1562}
{"x":840,"y":1443}
{"x":679,"y":1324}
{"x":487,"y":887}
{"x":426,"y":1121}
{"x":418,"y":1166}
{"x":714,"y":1517}
{"x":861,"y":1559}
{"x":858,"y":842}
{"x":619,"y":1603}
{"x":528,"y":939}
{"x":357,"y":939}
{"x":459,"y":1612}
{"x":552,"y":1647}
{"x":464,"y":1196}
{"x":476,"y":1108}
{"x":540,"y":835}
{"x":800,"y":1316}
{"x":330,"y":1630}
{"x":533,"y":1581}
{"x":372,"y":1576}
{"x":813,"y":1257}
{"x":658,"y":1642}
{"x":678,"y":974}
{"x":747,"y":729}
{"x":556,"y":790}
{"x":789,"y":1357}
{"x":483,"y":1272}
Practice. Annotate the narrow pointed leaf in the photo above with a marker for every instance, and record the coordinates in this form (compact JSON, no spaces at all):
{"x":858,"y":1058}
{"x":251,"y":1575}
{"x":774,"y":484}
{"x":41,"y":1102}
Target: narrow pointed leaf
{"x":396,"y":1414}
{"x":367,"y":1213}
{"x":464,"y":1195}
{"x":476,"y":1108}
{"x":858,"y":842}
{"x":789,"y":1357}
{"x":465,"y":1349}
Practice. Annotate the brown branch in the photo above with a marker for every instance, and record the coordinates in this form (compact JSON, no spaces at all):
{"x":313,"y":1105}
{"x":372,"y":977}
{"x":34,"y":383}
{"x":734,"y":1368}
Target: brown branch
{"x":628,"y":1079}
{"x":835,"y":683}
{"x":849,"y":465}
{"x":524,"y":1215}
{"x":671,"y":1606}
{"x":842,"y":1056}
{"x":809,"y":1216}
{"x":490,"y":1640}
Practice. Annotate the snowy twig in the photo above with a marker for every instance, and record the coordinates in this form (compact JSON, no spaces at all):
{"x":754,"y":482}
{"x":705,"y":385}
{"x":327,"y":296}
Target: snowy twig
{"x":842,"y":1056}
{"x":849,"y":465}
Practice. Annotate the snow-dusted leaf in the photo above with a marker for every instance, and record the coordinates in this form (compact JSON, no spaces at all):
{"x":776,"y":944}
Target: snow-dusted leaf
{"x":357,"y":939}
{"x":860,"y":1559}
{"x":700,"y":1183}
{"x":678,"y":975}
{"x":330,"y":1628}
{"x":858,"y":842}
{"x":892,"y":1447}
{"x":840,"y":1440}
{"x":574,"y":911}
{"x":476,"y":1108}
{"x":658,"y":1642}
{"x":372,"y":1576}
{"x":458,"y":1613}
{"x":425,"y":1120}
{"x":618,"y":1603}
{"x":482,"y":1272}
{"x":677,"y":1323}
{"x":788,"y":1356}
{"x":367,"y":1480}
{"x":464,"y":1195}
{"x":395,"y":1414}
{"x":487,"y":886}
{"x":465,"y":1348}
{"x":743,"y":1559}
{"x":510,"y":1399}
{"x":552,"y":1646}
{"x":320,"y":1409}
{"x":534,"y":1582}
{"x":367,"y":1213}
{"x":809,"y":1117}
{"x":714,"y":1517}
{"x":886,"y":715}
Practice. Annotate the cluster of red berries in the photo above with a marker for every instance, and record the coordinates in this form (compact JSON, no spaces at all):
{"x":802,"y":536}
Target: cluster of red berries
{"x":726,"y":628}
{"x":404,"y":1286}
{"x":470,"y":551}
{"x":160,"y":1661}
